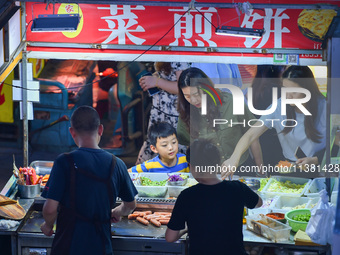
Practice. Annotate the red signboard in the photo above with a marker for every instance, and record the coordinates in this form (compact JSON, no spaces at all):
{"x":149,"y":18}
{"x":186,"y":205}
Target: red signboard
{"x":145,"y":25}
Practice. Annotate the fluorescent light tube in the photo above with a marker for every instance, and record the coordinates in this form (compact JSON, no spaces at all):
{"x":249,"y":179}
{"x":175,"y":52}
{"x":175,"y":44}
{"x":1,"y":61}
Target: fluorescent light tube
{"x":239,"y":31}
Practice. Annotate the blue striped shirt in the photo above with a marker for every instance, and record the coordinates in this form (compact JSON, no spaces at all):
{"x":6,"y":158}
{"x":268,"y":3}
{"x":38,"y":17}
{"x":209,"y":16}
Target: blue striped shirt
{"x":156,"y":165}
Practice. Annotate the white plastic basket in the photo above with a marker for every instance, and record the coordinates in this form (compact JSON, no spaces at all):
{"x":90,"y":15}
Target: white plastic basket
{"x":152,"y":191}
{"x":267,"y":189}
{"x":286,"y":203}
{"x":319,"y":184}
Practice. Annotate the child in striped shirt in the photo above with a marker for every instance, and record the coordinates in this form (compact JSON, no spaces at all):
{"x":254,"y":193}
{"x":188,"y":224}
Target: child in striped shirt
{"x":163,"y":139}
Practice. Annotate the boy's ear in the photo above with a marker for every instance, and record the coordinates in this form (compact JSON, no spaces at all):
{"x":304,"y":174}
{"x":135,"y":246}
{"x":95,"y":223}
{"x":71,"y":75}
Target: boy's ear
{"x":154,"y":149}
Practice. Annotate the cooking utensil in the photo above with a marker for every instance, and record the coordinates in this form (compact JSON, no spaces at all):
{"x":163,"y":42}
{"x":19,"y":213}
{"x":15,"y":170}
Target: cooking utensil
{"x":29,"y":191}
{"x":11,"y":211}
{"x":15,"y":169}
{"x":8,"y":202}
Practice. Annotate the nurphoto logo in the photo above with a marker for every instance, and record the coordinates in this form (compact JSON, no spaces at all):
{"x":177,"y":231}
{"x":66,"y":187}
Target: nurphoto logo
{"x":239,"y":102}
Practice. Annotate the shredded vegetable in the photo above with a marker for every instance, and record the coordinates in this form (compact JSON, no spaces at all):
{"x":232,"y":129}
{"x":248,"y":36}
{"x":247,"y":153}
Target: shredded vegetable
{"x":145,"y":181}
{"x":263,"y":183}
{"x":177,"y":177}
{"x":286,"y":187}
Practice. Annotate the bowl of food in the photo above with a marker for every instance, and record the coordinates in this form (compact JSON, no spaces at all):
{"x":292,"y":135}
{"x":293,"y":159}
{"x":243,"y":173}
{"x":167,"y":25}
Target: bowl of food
{"x":298,"y":219}
{"x":277,"y":216}
{"x":178,"y":179}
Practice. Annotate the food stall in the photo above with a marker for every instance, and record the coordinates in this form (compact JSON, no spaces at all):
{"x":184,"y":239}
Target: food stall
{"x":286,"y":41}
{"x":157,"y":196}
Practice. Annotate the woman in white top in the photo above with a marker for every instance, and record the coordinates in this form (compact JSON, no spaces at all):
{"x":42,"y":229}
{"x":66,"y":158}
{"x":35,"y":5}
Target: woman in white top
{"x":305,"y":131}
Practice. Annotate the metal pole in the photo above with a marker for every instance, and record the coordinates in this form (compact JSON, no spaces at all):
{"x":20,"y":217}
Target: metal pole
{"x":23,"y":76}
{"x":328,"y":116}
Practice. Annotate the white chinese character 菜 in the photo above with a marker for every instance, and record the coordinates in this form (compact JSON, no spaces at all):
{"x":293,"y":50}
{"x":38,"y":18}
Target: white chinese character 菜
{"x":120,"y":24}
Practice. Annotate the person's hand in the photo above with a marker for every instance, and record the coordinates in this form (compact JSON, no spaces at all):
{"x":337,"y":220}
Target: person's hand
{"x":307,"y":161}
{"x":148,"y":82}
{"x":116,"y":215}
{"x":228,"y":168}
{"x":47,"y":230}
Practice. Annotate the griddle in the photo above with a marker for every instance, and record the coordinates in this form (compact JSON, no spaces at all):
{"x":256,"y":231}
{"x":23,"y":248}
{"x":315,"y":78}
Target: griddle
{"x":134,"y":229}
{"x":129,"y":228}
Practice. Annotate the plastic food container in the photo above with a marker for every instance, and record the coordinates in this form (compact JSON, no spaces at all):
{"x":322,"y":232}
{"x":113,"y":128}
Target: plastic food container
{"x":286,"y":203}
{"x":269,"y":192}
{"x":133,"y":176}
{"x":174,"y":191}
{"x":297,"y":225}
{"x":268,"y":228}
{"x":265,"y":208}
{"x":277,"y":216}
{"x":178,"y":183}
{"x":319,"y":184}
{"x":152,"y":191}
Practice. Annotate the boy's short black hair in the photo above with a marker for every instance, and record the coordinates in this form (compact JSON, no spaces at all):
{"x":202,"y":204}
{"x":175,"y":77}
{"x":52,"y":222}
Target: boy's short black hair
{"x":203,"y":152}
{"x":160,"y":130}
{"x":85,"y":119}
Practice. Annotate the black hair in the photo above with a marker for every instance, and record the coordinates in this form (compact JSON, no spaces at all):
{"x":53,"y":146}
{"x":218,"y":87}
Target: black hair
{"x":194,"y":77}
{"x":303,"y":76}
{"x":160,"y":130}
{"x":203,"y":152}
{"x":85,"y":119}
{"x":266,"y":78}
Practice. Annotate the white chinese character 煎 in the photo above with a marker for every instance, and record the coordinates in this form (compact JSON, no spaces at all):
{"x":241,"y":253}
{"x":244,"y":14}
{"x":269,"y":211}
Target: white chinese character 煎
{"x":193,"y":23}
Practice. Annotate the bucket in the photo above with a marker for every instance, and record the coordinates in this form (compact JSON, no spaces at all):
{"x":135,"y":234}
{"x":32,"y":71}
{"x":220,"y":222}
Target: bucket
{"x":28,"y":191}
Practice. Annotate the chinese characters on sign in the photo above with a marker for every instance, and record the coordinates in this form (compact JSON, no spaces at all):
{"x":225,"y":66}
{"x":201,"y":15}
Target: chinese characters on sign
{"x":194,"y":23}
{"x":146,"y":25}
{"x":121,"y":23}
{"x":272,"y":24}
{"x":195,"y":28}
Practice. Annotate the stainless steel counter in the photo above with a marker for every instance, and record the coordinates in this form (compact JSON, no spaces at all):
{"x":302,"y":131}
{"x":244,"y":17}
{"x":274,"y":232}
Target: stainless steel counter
{"x":132,"y":237}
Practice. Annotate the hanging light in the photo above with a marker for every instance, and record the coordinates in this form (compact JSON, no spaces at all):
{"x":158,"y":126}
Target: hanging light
{"x":55,"y":23}
{"x":239,"y":31}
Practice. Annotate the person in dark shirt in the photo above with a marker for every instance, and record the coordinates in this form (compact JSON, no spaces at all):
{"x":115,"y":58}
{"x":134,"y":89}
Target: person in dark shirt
{"x":266,"y":78}
{"x":82,"y":190}
{"x":212,"y":209}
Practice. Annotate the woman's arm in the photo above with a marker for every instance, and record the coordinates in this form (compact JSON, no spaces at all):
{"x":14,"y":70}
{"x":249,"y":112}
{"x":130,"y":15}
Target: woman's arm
{"x":243,"y":144}
{"x":256,"y":150}
{"x":148,"y":82}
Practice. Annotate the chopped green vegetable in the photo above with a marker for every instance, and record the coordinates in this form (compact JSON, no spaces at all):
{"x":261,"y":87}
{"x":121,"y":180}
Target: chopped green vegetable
{"x":286,"y":187}
{"x":145,"y":181}
{"x":302,"y":217}
{"x":263,"y":183}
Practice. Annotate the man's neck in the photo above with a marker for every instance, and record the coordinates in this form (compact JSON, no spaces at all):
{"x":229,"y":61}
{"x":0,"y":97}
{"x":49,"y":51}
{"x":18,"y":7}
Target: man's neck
{"x":169,"y":162}
{"x":209,"y":180}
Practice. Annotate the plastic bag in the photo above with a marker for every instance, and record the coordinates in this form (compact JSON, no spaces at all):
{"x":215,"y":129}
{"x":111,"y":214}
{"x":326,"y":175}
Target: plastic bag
{"x":321,"y":223}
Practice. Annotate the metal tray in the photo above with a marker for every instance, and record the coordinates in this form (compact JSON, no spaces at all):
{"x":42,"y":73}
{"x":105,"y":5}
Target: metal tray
{"x":42,"y":167}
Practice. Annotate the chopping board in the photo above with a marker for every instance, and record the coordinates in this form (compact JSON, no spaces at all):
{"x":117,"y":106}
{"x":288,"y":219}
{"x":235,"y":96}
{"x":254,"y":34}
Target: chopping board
{"x":11,"y":211}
